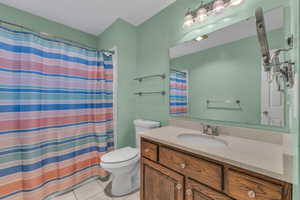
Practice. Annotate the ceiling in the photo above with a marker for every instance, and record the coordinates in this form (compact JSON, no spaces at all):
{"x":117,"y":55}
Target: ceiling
{"x":91,"y":16}
{"x":274,"y":20}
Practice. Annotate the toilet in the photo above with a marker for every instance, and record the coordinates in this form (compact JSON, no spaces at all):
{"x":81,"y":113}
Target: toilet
{"x":123,"y":164}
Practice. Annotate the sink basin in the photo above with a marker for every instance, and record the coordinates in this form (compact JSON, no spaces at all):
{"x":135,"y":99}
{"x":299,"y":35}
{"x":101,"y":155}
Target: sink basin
{"x":201,"y":140}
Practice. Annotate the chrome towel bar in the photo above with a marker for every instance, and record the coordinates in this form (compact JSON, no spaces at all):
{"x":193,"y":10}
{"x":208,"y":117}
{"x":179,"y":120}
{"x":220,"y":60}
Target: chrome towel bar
{"x":142,"y":93}
{"x":140,"y":79}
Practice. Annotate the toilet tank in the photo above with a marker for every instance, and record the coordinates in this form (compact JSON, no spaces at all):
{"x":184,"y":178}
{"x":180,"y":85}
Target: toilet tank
{"x":143,"y":125}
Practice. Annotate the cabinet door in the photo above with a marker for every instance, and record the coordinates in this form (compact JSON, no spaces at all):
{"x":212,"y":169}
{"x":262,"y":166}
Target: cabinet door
{"x":159,"y":183}
{"x":197,"y":191}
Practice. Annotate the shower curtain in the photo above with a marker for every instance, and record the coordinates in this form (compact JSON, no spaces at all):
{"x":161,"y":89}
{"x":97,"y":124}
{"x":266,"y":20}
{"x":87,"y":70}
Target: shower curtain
{"x":178,"y":93}
{"x":55,"y":114}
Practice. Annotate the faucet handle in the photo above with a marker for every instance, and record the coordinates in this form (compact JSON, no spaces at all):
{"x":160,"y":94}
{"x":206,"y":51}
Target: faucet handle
{"x":215,"y":130}
{"x":209,"y":130}
{"x":202,"y":127}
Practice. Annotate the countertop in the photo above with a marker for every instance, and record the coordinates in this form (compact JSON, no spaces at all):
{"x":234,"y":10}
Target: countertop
{"x":265,"y":158}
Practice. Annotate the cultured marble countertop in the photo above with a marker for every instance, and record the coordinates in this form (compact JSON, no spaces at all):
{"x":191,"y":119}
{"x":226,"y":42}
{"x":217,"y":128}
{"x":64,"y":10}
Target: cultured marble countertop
{"x":265,"y":158}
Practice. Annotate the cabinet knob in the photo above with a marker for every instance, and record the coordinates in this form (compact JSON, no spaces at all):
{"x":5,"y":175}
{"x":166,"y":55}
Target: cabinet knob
{"x":183,"y":165}
{"x":251,"y":194}
{"x":147,"y":150}
{"x":189,"y":192}
{"x":178,"y":186}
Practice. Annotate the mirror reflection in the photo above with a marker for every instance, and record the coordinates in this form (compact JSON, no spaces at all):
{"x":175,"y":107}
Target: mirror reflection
{"x":220,"y":76}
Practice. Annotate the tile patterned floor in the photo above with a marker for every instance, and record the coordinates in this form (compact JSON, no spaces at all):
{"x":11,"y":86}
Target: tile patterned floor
{"x":93,"y":191}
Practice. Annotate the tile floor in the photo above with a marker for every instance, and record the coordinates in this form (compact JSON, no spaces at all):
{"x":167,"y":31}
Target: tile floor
{"x":93,"y":191}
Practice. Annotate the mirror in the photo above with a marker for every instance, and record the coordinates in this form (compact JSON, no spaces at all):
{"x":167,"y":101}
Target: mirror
{"x":220,"y":76}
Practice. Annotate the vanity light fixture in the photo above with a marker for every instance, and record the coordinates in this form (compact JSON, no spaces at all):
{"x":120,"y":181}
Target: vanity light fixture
{"x":201,"y":15}
{"x":201,"y":37}
{"x":205,"y":10}
{"x":188,"y":19}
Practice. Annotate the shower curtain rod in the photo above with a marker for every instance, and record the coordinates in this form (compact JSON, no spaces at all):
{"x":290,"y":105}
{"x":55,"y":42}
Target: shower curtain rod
{"x":56,"y":37}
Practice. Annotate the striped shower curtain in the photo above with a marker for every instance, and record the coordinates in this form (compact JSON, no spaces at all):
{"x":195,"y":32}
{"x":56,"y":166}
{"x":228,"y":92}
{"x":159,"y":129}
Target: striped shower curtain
{"x":178,"y":93}
{"x":55,"y":114}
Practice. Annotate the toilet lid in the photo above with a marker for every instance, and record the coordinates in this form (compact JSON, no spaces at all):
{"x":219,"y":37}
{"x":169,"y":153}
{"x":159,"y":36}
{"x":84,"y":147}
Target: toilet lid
{"x":120,"y":155}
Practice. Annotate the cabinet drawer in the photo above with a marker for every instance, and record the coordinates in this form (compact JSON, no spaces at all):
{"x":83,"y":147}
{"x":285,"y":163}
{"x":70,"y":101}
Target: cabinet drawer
{"x":196,"y":191}
{"x":203,"y":171}
{"x":242,"y":186}
{"x":149,"y":150}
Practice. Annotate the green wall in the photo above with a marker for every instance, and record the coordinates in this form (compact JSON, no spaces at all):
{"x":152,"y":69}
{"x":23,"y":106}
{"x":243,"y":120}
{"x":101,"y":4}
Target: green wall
{"x":123,"y":36}
{"x":229,"y":71}
{"x":40,"y":24}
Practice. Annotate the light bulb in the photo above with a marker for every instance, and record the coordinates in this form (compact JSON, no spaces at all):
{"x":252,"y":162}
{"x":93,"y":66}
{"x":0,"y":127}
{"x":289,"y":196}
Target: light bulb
{"x":201,"y":15}
{"x":218,"y":6}
{"x":188,"y":20}
{"x":236,"y":2}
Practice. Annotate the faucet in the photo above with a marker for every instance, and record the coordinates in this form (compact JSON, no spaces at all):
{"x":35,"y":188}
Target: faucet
{"x":209,"y":129}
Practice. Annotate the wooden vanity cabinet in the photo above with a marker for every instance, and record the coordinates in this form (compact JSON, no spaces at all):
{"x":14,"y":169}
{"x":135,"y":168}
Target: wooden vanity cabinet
{"x":168,"y":173}
{"x":159,"y":183}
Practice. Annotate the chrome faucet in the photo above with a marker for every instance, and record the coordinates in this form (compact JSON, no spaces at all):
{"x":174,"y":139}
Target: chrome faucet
{"x":209,"y":129}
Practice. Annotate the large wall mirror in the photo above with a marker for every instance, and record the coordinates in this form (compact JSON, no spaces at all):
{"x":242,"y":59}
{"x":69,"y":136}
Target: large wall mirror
{"x":220,"y":76}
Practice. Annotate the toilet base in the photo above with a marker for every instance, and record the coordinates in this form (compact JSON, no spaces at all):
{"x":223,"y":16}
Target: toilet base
{"x":105,"y":178}
{"x":107,"y":191}
{"x":125,"y":180}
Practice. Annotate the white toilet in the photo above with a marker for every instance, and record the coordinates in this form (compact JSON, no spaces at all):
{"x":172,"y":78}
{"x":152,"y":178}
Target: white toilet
{"x":123,"y":163}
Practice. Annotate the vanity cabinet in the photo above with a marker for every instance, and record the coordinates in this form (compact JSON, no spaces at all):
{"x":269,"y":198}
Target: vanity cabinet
{"x":168,"y":173}
{"x":160,"y":183}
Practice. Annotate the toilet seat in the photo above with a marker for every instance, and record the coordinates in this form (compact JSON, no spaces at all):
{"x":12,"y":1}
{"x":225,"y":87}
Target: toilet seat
{"x":120,"y":158}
